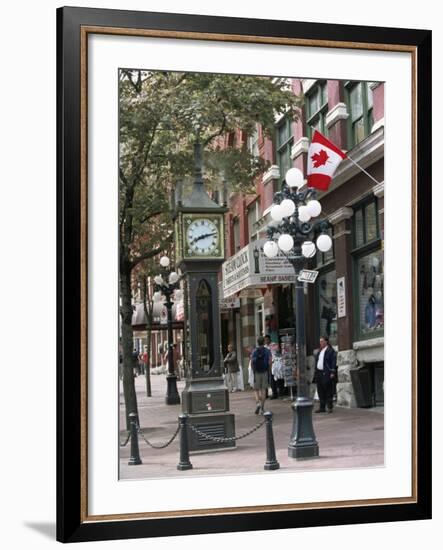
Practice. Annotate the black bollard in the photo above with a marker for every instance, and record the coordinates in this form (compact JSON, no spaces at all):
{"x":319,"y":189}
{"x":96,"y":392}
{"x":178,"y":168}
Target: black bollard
{"x":271,"y":459}
{"x":184,"y":463}
{"x":135,"y":454}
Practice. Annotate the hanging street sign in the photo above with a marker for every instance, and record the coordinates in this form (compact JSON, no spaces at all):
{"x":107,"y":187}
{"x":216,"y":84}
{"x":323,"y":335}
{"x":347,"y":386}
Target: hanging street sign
{"x":307,"y":276}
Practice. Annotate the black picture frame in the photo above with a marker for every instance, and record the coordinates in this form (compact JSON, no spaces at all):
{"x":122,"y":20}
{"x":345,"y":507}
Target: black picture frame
{"x":73,"y":524}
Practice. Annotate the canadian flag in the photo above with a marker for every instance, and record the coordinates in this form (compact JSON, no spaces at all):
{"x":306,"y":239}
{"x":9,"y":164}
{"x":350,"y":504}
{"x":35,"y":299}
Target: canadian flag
{"x":323,"y":159}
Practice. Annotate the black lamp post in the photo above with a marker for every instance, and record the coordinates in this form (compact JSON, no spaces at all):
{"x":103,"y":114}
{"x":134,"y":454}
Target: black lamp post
{"x":292,"y":227}
{"x":166,"y":285}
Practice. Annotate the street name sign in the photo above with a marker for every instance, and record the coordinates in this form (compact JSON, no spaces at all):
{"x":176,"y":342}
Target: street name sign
{"x":307,"y":276}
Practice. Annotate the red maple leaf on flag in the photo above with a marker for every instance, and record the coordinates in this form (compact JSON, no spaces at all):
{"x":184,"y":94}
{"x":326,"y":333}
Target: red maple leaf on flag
{"x":320,"y":158}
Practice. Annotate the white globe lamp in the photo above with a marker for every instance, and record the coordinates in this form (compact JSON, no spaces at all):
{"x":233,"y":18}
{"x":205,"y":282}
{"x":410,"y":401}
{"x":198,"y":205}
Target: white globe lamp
{"x":303,"y":214}
{"x":308,"y":249}
{"x":276,"y":213}
{"x":314,"y":208}
{"x":158,"y":280}
{"x":294,"y":178}
{"x":173,"y":277}
{"x":164,"y":261}
{"x":324,"y":243}
{"x":270,"y":249}
{"x":287,"y":207}
{"x":285,"y":242}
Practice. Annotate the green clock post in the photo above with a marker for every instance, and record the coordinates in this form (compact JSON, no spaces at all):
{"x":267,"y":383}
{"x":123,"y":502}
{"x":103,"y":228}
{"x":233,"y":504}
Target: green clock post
{"x":199,"y":241}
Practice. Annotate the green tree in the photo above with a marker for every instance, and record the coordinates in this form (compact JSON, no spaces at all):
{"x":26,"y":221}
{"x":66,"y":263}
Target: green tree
{"x":162,"y":115}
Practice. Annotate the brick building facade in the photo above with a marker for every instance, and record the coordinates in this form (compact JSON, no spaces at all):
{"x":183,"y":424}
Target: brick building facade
{"x":346,"y":302}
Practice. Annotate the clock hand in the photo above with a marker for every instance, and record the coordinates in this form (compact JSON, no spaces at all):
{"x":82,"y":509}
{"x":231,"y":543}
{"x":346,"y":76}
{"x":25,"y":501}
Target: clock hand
{"x":202,"y":237}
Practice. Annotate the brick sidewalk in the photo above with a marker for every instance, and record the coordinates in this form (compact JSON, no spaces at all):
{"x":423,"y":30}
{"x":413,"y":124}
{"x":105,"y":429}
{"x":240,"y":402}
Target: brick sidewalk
{"x":348,"y":438}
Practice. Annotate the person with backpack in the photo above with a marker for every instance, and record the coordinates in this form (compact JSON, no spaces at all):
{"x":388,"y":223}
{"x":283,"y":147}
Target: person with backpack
{"x":261,"y":361}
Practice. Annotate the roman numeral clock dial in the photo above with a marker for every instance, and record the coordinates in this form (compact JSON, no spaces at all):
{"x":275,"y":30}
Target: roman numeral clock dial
{"x":202,"y":236}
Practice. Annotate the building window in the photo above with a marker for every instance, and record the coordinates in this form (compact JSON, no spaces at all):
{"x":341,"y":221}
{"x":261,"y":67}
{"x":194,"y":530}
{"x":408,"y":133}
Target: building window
{"x":316,"y":108}
{"x":327,"y":305}
{"x":360,"y":103}
{"x":368,"y":272}
{"x":284,"y":142}
{"x":365,"y":220}
{"x":253,"y":216}
{"x":236,"y":232}
{"x":371,"y":298}
{"x":253,"y":143}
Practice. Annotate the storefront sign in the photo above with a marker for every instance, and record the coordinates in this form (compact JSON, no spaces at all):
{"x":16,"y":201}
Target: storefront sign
{"x":232,"y":302}
{"x":341,"y":297}
{"x":251,"y":293}
{"x":251,"y":268}
{"x":229,"y":303}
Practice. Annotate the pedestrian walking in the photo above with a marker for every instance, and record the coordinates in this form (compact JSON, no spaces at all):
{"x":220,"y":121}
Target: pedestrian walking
{"x":272,"y":347}
{"x":261,"y":361}
{"x":277,"y":373}
{"x":325,"y":375}
{"x":231,"y":368}
{"x":145,"y":360}
{"x":175,"y":359}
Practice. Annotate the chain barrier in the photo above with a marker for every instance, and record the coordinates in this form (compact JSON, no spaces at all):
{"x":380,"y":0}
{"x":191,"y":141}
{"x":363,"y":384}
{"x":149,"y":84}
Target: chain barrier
{"x":159,"y":446}
{"x":127,"y":440}
{"x":226,"y":439}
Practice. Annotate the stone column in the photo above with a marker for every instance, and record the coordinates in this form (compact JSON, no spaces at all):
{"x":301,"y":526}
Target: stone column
{"x":346,"y":361}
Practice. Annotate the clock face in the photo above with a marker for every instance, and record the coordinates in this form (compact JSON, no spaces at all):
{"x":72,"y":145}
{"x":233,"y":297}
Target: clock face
{"x":202,"y":236}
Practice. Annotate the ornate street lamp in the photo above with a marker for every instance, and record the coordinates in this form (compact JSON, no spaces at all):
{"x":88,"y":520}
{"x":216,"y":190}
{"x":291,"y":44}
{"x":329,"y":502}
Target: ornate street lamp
{"x":291,"y":232}
{"x":167,"y":285}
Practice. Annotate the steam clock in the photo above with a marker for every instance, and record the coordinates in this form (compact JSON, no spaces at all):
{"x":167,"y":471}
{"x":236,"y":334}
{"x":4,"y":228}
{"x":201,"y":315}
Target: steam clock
{"x":199,"y":241}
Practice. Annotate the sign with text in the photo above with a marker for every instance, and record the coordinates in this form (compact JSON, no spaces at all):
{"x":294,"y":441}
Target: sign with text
{"x":307,"y":276}
{"x":250,"y":267}
{"x":341,"y":297}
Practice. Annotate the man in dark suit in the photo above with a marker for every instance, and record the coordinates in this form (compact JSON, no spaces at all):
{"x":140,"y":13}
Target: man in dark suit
{"x":325,"y":375}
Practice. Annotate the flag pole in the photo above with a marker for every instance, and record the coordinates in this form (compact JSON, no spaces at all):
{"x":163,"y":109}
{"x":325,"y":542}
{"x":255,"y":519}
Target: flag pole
{"x":363,"y":170}
{"x":353,"y":161}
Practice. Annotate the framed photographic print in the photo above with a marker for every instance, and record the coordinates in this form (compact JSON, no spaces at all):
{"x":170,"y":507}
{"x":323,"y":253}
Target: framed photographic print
{"x":244,"y":254}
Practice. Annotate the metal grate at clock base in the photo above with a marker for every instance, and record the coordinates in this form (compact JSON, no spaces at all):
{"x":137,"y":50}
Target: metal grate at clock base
{"x":213,"y":430}
{"x":213,"y":427}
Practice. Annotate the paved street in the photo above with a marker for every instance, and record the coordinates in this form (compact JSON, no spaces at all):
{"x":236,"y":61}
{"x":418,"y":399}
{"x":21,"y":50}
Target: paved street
{"x":348,"y":438}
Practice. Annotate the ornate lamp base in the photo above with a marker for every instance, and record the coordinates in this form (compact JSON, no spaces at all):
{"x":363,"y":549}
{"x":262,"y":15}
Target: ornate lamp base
{"x":303,"y":443}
